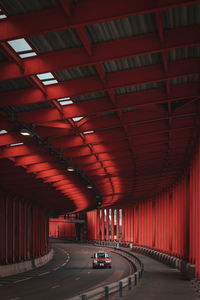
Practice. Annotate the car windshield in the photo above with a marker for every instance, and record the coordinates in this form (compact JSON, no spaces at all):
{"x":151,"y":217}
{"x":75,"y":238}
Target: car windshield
{"x":101,"y":255}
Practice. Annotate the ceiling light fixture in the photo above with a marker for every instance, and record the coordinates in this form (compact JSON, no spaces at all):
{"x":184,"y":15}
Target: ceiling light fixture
{"x":25,"y":132}
{"x":70,"y":169}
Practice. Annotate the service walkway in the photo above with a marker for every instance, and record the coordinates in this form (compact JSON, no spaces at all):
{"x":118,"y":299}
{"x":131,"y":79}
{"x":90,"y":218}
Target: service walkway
{"x":160,"y":282}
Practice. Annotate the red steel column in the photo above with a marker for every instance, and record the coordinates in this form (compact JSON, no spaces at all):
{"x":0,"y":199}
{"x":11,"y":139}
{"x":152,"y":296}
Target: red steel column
{"x":107,"y":224}
{"x":117,"y":221}
{"x":102,"y":225}
{"x":112,"y":224}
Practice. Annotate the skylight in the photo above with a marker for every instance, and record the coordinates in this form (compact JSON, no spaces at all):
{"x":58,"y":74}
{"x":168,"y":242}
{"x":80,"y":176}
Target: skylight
{"x":3,"y":131}
{"x":2,"y":15}
{"x":22,"y":48}
{"x":76,"y":119}
{"x":65,"y":101}
{"x":16,"y":144}
{"x":87,"y":132}
{"x":48,"y":82}
{"x":47,"y":78}
{"x":19,"y":45}
{"x":29,"y":54}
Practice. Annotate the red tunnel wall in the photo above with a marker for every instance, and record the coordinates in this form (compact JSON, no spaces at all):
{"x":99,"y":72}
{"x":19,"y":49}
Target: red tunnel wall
{"x":59,"y":228}
{"x":23,"y":230}
{"x":169,"y":223}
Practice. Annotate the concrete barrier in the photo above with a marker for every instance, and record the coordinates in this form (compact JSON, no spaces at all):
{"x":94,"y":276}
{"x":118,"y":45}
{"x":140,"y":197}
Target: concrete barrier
{"x":20,"y":267}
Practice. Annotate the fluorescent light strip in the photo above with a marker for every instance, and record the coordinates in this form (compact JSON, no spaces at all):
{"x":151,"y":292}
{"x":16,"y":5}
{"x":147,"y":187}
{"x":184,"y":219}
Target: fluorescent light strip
{"x":16,"y":144}
{"x":87,"y":132}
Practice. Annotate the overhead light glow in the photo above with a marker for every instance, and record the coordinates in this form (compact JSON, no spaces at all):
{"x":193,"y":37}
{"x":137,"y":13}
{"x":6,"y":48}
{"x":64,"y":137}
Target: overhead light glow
{"x":25,"y":132}
{"x":45,"y":76}
{"x":87,"y":132}
{"x":89,"y":186}
{"x":3,"y":131}
{"x":76,"y":119}
{"x":70,"y":169}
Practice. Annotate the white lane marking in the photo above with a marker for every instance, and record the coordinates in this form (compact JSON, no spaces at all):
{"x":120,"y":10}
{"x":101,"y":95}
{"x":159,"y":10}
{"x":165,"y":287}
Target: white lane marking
{"x":77,"y":278}
{"x":44,"y":273}
{"x":55,"y":286}
{"x":63,"y":264}
{"x":56,"y":268}
{"x":16,"y":298}
{"x":24,"y":279}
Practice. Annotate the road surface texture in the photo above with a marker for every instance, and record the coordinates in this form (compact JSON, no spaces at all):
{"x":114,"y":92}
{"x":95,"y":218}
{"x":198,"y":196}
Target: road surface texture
{"x":160,"y":282}
{"x":68,"y":274}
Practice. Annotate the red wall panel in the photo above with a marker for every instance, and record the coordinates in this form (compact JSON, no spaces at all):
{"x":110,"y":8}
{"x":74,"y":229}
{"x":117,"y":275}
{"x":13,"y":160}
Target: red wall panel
{"x":18,"y":229}
{"x":60,"y":228}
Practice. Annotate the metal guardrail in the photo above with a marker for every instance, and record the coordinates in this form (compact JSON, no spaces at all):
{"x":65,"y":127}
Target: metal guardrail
{"x":117,"y":286}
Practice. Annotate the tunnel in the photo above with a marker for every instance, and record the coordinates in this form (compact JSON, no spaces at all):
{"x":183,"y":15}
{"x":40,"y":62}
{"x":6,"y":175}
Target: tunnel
{"x":99,"y":144}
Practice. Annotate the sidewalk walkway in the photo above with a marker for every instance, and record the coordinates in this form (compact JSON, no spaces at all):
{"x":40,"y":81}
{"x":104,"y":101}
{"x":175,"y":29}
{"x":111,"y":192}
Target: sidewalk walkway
{"x":160,"y":282}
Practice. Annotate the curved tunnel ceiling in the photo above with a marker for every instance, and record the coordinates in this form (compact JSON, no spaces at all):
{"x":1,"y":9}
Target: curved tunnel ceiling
{"x":110,"y":91}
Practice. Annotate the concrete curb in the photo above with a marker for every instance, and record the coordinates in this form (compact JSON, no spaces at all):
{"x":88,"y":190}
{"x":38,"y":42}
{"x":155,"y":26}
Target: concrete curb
{"x":186,"y":268}
{"x":12,"y":269}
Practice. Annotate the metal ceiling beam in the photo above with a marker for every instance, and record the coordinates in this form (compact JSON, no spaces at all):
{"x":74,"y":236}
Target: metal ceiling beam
{"x":96,"y":11}
{"x":102,"y":52}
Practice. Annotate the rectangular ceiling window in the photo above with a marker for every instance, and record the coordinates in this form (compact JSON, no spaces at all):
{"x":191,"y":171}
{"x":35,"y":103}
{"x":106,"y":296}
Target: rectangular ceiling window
{"x":3,"y":131}
{"x":65,"y":101}
{"x":47,"y":78}
{"x":22,"y":48}
{"x":76,"y":119}
{"x":2,"y":15}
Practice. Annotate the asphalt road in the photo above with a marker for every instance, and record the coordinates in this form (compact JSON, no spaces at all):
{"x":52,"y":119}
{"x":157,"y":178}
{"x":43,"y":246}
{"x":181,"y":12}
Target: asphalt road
{"x":68,"y":274}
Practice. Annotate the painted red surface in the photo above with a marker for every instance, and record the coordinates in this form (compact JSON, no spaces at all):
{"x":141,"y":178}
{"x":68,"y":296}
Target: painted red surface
{"x":60,"y":228}
{"x":169,"y":223}
{"x":23,"y":230}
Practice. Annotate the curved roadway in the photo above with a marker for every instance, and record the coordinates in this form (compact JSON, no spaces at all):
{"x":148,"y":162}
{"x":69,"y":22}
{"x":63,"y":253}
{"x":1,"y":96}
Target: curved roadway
{"x":68,"y":274}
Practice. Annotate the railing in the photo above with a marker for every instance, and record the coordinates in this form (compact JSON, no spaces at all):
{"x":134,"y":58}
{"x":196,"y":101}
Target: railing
{"x":117,"y":286}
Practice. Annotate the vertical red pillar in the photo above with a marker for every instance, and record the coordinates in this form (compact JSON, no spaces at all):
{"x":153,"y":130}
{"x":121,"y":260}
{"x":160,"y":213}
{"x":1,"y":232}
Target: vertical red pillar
{"x":107,"y":224}
{"x":98,"y":225}
{"x":102,"y":225}
{"x":112,"y":224}
{"x":117,"y":224}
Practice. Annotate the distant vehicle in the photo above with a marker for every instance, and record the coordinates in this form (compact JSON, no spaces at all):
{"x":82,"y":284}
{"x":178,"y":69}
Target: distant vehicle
{"x":101,"y":259}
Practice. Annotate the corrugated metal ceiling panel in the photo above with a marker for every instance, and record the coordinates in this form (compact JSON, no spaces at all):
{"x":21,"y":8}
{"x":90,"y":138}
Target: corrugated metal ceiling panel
{"x":30,"y":107}
{"x":17,"y":7}
{"x":183,"y":53}
{"x":90,"y":96}
{"x":14,"y":84}
{"x":138,"y":88}
{"x":189,"y":79}
{"x":132,"y":62}
{"x":76,"y":73}
{"x":55,"y":41}
{"x":181,"y":16}
{"x":2,"y":57}
{"x":121,"y":28}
